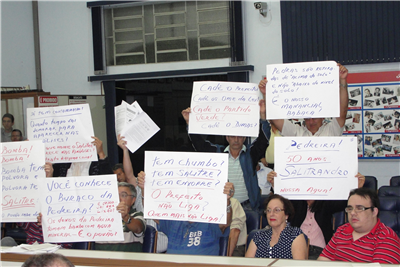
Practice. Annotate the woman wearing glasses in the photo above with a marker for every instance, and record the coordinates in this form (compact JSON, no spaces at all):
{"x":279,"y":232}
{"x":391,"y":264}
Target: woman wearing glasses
{"x":280,"y":240}
{"x":314,"y":217}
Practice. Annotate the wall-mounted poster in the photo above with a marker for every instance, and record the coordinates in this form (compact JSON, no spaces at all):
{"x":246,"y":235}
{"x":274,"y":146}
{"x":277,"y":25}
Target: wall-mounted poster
{"x":374,"y":113}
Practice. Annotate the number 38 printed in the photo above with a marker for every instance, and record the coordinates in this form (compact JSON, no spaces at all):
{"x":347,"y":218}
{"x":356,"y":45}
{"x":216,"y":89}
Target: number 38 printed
{"x":194,"y":238}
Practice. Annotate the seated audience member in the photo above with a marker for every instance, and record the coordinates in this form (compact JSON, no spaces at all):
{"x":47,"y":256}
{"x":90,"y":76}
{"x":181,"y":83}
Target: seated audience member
{"x":33,"y":230}
{"x":194,"y":238}
{"x":243,"y":159}
{"x":8,"y":241}
{"x":279,"y":239}
{"x":6,"y":130}
{"x":365,"y":238}
{"x":314,"y":218}
{"x":102,"y":166}
{"x":238,"y":233}
{"x":16,"y":135}
{"x":133,"y":223}
{"x":162,"y":240}
{"x":48,"y":260}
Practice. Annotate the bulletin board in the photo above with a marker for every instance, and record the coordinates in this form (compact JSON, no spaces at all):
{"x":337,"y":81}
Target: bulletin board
{"x":374,"y":113}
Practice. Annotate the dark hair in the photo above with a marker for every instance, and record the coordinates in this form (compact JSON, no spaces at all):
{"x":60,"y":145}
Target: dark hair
{"x":47,"y":260}
{"x":118,"y":166}
{"x":131,"y":187}
{"x":287,"y":205}
{"x":367,"y":193}
{"x":8,"y":115}
{"x":16,"y":130}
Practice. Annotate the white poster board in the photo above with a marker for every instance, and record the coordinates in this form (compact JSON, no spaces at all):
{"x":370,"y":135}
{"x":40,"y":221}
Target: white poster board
{"x":65,"y":131}
{"x":21,"y":171}
{"x":225,"y":108}
{"x":186,"y":186}
{"x":303,"y":90}
{"x":81,"y":209}
{"x":316,"y":167}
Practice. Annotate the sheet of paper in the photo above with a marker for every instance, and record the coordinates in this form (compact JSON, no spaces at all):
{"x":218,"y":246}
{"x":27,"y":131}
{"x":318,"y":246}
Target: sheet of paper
{"x":81,"y":209}
{"x":125,"y":114}
{"x":138,"y":131}
{"x":22,"y":169}
{"x":316,"y":167}
{"x":66,"y":132}
{"x":186,"y":186}
{"x":303,"y":90}
{"x":225,"y":108}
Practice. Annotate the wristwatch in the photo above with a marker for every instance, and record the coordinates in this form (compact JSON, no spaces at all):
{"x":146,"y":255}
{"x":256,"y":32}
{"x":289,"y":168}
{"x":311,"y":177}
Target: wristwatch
{"x":228,"y":208}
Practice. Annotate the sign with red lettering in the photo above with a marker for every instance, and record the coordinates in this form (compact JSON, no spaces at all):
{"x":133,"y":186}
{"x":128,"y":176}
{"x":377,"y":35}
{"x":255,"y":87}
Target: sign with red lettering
{"x":22,"y":169}
{"x":81,"y":209}
{"x":225,"y":108}
{"x":48,"y":101}
{"x":66,"y":132}
{"x":186,"y":186}
{"x":302,"y":90}
{"x":316,"y":167}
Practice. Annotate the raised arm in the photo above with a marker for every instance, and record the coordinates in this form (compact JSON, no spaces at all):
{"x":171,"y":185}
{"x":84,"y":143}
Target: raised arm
{"x":99,"y":147}
{"x":344,"y":96}
{"x":278,"y":122}
{"x":229,"y":190}
{"x":126,"y":161}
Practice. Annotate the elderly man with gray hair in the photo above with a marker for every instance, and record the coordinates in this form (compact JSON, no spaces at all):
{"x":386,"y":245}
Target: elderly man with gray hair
{"x":133,"y":222}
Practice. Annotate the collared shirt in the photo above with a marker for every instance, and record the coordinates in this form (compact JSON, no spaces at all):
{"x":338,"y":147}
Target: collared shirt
{"x":239,"y":221}
{"x":381,"y":245}
{"x":269,"y":153}
{"x":311,"y":228}
{"x":329,"y":129}
{"x":235,"y":176}
{"x":5,"y":137}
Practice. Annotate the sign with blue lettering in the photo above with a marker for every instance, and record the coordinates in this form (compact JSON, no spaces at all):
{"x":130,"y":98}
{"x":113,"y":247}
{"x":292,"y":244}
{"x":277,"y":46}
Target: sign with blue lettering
{"x":186,"y":186}
{"x":81,"y":209}
{"x":66,"y":132}
{"x":315,"y":167}
{"x":302,"y":90}
{"x":22,"y":169}
{"x":225,"y":108}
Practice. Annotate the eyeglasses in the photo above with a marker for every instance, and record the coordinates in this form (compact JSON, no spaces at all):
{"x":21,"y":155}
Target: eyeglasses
{"x":276,"y":210}
{"x":357,"y":209}
{"x":124,"y":195}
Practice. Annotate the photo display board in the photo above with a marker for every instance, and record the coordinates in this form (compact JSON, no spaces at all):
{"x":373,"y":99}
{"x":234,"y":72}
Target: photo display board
{"x":373,"y":114}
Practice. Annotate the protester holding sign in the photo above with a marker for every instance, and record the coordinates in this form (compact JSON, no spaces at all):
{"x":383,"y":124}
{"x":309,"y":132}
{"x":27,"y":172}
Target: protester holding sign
{"x":133,"y":222}
{"x":314,"y":217}
{"x":194,"y":238}
{"x":314,"y":126}
{"x":162,"y":240}
{"x":242,"y":159}
{"x":33,"y":230}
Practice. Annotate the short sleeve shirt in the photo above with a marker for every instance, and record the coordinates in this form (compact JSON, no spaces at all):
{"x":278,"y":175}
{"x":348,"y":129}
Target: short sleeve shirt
{"x":329,"y":129}
{"x":282,"y":249}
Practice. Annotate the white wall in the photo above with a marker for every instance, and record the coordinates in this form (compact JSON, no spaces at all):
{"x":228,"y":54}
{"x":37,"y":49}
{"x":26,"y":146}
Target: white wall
{"x":17,"y":49}
{"x":66,"y":48}
{"x":67,"y":56}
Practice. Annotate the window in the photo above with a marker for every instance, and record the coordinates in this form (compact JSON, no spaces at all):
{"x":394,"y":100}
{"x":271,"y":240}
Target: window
{"x":166,"y":32}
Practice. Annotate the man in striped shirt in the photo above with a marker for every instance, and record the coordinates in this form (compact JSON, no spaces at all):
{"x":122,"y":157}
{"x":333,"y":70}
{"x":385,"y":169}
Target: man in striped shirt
{"x":365,"y":238}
